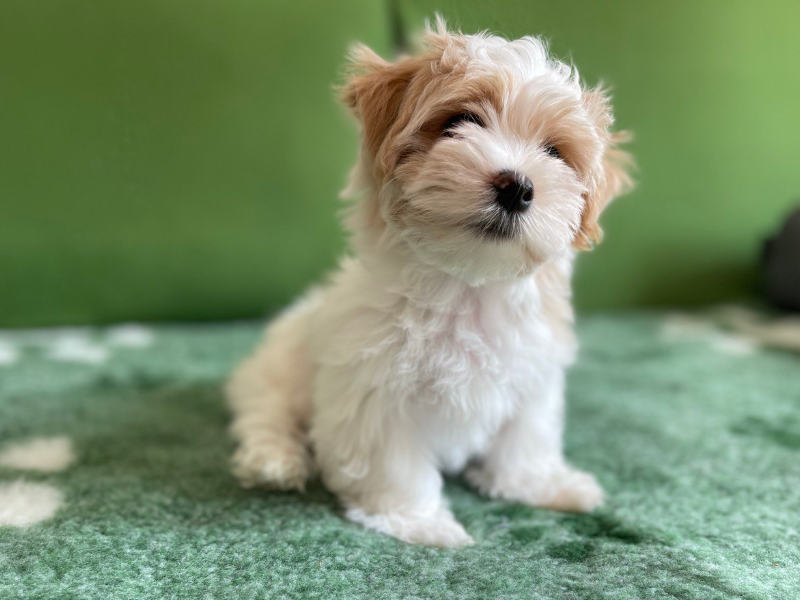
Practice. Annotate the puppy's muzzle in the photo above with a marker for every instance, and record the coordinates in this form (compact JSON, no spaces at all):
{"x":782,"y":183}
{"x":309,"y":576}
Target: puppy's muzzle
{"x":513,"y":191}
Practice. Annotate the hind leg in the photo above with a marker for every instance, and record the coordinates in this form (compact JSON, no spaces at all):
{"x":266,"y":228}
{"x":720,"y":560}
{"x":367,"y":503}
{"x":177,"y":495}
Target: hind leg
{"x":270,"y":396}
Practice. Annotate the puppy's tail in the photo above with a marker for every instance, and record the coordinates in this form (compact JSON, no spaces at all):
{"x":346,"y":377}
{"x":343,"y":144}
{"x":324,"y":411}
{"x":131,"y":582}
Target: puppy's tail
{"x":270,"y":397}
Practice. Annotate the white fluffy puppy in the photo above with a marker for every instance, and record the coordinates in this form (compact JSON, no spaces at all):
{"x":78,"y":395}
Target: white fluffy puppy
{"x":441,"y":344}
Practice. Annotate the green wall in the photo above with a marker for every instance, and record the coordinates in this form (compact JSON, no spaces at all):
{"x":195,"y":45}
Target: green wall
{"x":167,"y":159}
{"x":180,"y":160}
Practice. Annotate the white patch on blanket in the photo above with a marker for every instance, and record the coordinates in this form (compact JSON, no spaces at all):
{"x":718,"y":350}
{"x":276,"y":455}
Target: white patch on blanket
{"x":24,"y":503}
{"x":733,"y":344}
{"x":778,"y":332}
{"x":48,"y":455}
{"x":8,"y":353}
{"x":77,"y":348}
{"x":679,"y":327}
{"x":130,"y":335}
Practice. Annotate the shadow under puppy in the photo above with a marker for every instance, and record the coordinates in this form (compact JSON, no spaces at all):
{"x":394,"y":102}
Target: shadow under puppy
{"x":441,"y":344}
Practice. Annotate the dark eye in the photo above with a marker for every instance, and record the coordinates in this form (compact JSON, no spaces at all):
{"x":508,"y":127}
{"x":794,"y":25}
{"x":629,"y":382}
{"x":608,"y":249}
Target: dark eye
{"x":552,"y":150}
{"x":458,"y":119}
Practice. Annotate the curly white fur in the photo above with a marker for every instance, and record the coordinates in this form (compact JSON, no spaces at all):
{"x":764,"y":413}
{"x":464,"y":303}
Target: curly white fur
{"x":435,"y":349}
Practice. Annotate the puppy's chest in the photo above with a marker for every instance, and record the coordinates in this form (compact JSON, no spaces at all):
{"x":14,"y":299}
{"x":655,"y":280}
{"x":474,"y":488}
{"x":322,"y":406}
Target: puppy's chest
{"x":473,"y":357}
{"x":465,"y":374}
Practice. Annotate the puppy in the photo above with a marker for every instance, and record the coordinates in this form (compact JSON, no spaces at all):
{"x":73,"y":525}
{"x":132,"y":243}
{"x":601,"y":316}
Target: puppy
{"x":440,"y":345}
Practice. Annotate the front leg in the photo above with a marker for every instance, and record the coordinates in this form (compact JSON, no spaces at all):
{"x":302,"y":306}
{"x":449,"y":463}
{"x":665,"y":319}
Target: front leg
{"x":525,"y":462}
{"x":372,"y":457}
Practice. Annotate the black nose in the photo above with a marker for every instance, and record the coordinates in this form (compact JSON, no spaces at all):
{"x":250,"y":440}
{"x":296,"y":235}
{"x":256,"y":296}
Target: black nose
{"x":513,"y":191}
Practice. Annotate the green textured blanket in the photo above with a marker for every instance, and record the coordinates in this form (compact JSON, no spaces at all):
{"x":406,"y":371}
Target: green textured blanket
{"x":113,"y":480}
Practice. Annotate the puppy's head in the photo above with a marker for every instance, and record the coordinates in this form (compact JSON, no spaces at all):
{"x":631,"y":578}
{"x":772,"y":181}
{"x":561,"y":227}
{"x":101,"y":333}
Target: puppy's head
{"x":485,"y":156}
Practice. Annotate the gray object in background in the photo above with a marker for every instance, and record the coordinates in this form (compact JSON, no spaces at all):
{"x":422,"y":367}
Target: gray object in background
{"x":782,"y":265}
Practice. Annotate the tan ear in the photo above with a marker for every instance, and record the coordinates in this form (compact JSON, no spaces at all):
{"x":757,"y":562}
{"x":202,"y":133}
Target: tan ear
{"x":612,"y":178}
{"x":374,"y":91}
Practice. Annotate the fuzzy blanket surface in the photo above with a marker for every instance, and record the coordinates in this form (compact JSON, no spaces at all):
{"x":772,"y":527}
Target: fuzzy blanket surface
{"x":114,"y":481}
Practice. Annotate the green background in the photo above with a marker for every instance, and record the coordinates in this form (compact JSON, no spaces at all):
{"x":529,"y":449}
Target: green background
{"x":177,"y":160}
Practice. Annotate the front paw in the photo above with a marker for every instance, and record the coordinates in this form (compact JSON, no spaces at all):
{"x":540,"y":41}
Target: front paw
{"x":564,"y":488}
{"x":571,"y":490}
{"x":438,"y":529}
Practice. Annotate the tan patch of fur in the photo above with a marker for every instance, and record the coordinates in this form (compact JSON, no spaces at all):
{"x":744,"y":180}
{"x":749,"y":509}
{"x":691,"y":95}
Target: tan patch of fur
{"x":454,"y":94}
{"x":375,"y":91}
{"x":613,"y":178}
{"x":385,"y":97}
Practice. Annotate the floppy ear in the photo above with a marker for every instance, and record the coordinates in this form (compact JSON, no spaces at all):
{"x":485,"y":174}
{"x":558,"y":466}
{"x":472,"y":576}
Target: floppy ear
{"x":374,"y":91}
{"x":612,"y":177}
